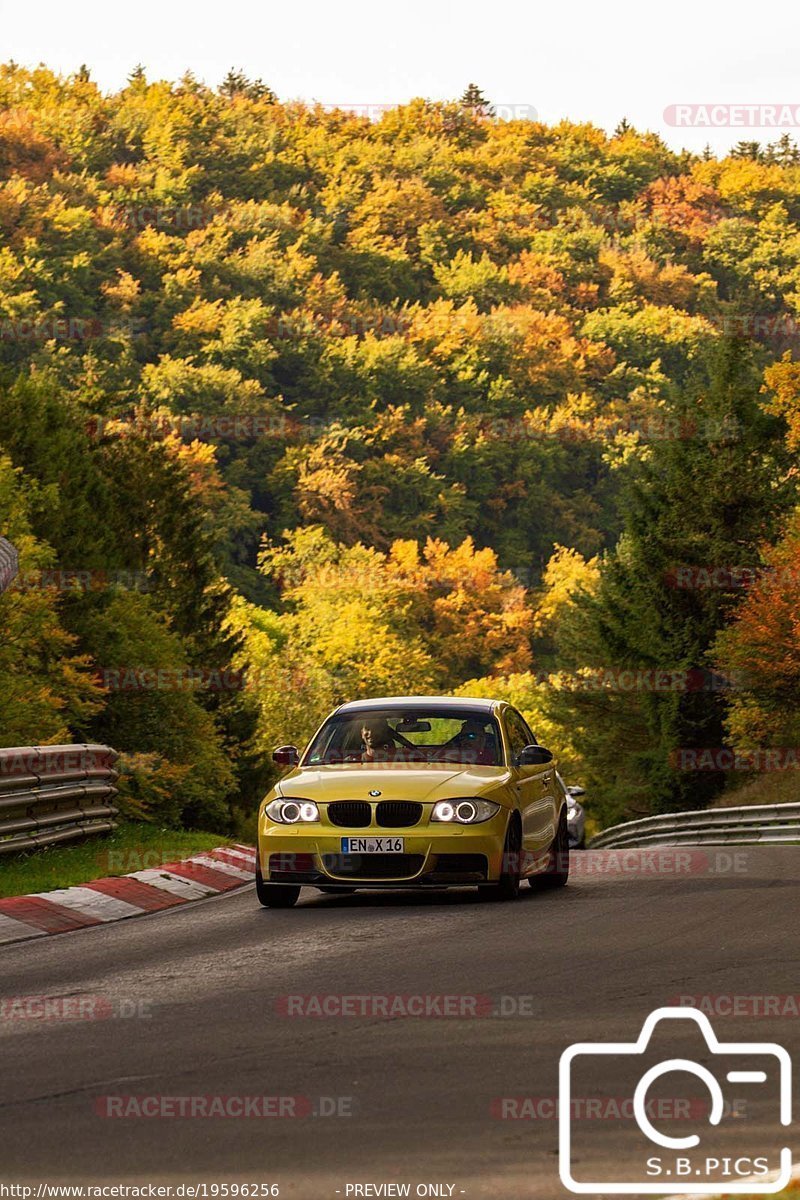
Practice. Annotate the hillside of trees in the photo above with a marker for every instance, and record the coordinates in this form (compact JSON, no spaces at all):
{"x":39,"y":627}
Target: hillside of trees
{"x":296,"y":407}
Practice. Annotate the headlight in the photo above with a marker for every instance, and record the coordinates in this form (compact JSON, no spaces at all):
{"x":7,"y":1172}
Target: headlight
{"x":464,"y":812}
{"x":287,"y":810}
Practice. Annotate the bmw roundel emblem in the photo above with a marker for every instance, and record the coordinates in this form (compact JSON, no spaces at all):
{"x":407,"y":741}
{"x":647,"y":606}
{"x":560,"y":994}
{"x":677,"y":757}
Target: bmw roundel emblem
{"x":374,"y":792}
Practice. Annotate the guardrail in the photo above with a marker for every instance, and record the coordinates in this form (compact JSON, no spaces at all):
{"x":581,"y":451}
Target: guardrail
{"x":55,"y":794}
{"x":9,"y":564}
{"x":715,"y":826}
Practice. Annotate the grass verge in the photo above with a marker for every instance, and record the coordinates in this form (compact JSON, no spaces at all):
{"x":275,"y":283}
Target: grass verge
{"x":773,"y":787}
{"x":133,"y":846}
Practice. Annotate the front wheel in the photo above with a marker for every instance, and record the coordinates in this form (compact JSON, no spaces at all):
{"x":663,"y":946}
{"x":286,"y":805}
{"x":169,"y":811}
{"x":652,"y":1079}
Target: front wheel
{"x":275,"y":895}
{"x":507,"y":887}
{"x":557,"y":872}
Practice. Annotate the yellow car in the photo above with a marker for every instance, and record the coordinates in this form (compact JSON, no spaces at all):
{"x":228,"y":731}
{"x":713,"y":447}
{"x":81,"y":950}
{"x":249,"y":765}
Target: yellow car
{"x":414,"y":792}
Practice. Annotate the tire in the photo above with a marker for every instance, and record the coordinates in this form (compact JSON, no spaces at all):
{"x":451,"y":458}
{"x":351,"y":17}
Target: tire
{"x":507,"y":887}
{"x":557,"y":872}
{"x":275,"y":895}
{"x":337,"y":891}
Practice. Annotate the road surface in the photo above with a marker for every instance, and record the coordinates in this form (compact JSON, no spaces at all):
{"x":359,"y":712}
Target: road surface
{"x":425,"y":1100}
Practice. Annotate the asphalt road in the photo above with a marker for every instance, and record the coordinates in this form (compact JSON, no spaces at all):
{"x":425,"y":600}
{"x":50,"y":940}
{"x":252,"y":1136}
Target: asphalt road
{"x":425,"y":1095}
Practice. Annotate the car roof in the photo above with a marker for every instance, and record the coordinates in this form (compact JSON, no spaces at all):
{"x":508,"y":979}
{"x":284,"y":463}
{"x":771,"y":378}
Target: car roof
{"x":464,"y":703}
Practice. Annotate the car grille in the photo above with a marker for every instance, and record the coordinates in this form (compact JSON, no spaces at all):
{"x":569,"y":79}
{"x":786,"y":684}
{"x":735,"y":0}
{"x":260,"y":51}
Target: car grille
{"x":373,"y":866}
{"x":398,"y":814}
{"x":350,"y":814}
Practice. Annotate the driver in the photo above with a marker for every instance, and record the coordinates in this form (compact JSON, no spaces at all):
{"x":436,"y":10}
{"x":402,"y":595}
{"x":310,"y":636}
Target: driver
{"x":378,"y":740}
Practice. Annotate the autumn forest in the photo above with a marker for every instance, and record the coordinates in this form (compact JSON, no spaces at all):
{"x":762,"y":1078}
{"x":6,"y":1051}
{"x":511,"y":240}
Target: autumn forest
{"x":298,"y":406}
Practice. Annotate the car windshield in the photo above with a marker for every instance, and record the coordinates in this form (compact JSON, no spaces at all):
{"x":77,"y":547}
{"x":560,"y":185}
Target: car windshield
{"x":425,"y":734}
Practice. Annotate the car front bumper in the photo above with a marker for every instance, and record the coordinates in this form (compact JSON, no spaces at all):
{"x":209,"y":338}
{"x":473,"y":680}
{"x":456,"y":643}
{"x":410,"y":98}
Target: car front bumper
{"x":452,"y":856}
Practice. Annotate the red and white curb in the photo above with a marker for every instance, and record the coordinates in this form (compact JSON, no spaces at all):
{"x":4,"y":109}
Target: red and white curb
{"x":117,"y":897}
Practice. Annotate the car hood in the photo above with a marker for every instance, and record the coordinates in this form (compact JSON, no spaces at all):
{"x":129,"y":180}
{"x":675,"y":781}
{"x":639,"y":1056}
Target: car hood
{"x":406,"y":782}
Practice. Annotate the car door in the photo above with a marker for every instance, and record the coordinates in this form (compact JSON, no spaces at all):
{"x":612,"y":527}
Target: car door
{"x":535,"y":787}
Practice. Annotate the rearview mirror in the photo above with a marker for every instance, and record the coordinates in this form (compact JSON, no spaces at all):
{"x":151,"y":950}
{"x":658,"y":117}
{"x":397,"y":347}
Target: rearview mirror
{"x":576,"y":790}
{"x":410,"y":725}
{"x":286,"y":756}
{"x":534,"y":756}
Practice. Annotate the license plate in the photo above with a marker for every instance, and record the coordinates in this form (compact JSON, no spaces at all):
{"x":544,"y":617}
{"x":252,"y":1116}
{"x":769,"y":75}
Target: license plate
{"x":372,"y":845}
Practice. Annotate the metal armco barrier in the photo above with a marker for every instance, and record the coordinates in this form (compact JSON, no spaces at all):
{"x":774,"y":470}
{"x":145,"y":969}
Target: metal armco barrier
{"x":55,"y":794}
{"x":715,"y":826}
{"x":9,"y":564}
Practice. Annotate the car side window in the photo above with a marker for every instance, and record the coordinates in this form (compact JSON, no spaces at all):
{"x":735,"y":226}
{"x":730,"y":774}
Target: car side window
{"x":519,"y":736}
{"x":531,"y":736}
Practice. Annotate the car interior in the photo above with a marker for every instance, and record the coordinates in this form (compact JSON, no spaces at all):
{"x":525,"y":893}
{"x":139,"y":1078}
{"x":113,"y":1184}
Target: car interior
{"x":403,"y":737}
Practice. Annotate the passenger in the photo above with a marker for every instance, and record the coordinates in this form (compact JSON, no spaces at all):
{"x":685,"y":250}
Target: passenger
{"x":474,"y":745}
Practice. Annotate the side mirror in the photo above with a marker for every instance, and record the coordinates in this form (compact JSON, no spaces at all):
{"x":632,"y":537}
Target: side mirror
{"x":576,"y":790}
{"x":534,"y":756}
{"x":286,"y":756}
